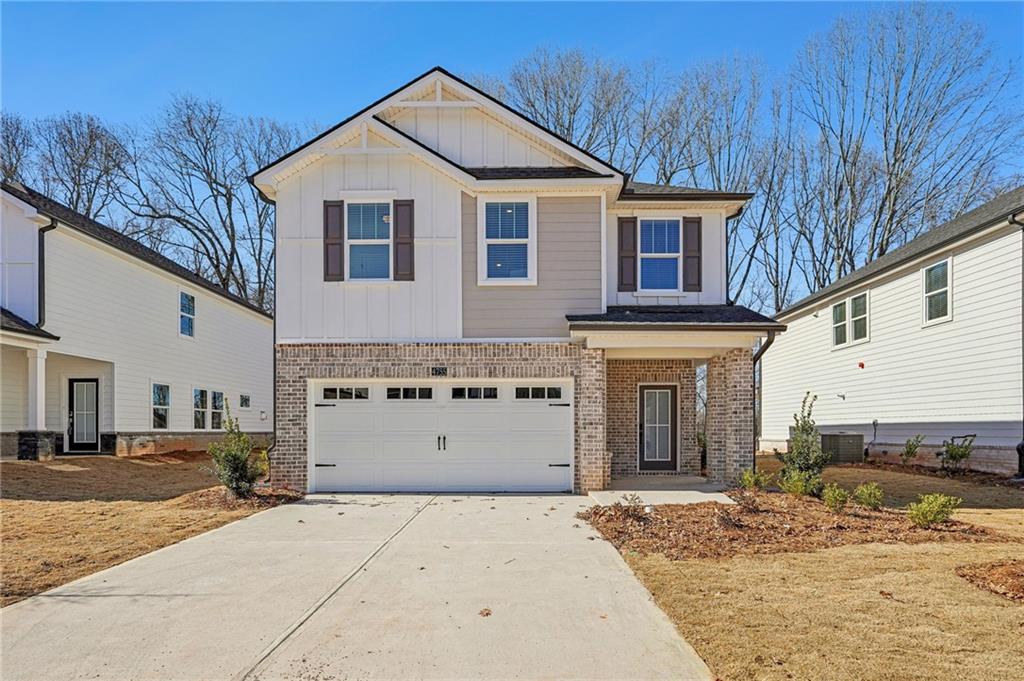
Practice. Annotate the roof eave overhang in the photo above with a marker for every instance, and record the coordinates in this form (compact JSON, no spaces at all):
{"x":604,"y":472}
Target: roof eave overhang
{"x":26,"y":338}
{"x":648,"y":327}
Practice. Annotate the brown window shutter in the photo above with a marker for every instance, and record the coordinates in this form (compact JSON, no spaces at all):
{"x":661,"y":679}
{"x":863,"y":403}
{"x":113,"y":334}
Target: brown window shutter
{"x":692,"y":275}
{"x":405,"y":232}
{"x":334,"y":240}
{"x":627,"y":254}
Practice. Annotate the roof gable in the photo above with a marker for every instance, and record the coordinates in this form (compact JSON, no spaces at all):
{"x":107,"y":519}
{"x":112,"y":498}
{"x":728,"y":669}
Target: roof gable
{"x":440,"y":91}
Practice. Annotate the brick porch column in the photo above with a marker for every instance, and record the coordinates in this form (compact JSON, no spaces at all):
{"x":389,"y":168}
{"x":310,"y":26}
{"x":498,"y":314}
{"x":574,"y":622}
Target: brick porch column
{"x":730,"y":414}
{"x":593,"y":460}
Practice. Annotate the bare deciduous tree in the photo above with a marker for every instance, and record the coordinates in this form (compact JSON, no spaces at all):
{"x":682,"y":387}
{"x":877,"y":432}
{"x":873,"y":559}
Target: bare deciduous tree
{"x":16,"y":143}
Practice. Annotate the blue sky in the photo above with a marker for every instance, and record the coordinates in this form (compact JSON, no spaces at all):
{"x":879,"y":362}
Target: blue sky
{"x":318,"y":62}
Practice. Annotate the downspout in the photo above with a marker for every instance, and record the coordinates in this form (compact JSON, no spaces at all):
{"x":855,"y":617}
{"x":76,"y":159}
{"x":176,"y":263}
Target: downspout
{"x":753,"y":397}
{"x":1013,"y":220}
{"x":41,"y":271}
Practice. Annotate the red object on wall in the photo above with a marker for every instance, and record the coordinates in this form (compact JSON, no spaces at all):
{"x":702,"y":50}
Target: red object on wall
{"x":860,"y":364}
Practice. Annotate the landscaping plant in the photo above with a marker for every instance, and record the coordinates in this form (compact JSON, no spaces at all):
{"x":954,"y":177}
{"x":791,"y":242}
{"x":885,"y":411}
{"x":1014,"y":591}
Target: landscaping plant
{"x":954,"y":453}
{"x":910,"y":449}
{"x":835,"y":497}
{"x":234,"y":462}
{"x":800,"y":483}
{"x":804,"y":456}
{"x":931,"y":509}
{"x":869,"y":495}
{"x":754,"y":480}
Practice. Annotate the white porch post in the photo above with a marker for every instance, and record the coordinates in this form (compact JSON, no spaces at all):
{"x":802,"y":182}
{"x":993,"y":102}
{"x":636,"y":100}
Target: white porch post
{"x":36,"y":390}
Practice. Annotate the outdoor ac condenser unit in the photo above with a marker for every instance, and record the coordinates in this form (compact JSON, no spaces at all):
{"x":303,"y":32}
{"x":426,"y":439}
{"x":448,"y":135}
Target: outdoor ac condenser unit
{"x":843,"y":447}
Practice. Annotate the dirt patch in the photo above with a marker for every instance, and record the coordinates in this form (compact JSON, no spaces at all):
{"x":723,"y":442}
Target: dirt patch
{"x":69,"y":518}
{"x":1004,"y":577}
{"x":977,"y":477}
{"x":764,"y":522}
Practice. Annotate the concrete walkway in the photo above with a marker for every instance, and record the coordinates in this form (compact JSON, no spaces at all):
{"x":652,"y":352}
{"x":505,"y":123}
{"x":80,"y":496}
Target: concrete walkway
{"x":367,"y":587}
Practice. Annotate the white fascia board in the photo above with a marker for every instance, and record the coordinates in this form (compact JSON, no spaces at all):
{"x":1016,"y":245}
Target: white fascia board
{"x":27,"y":209}
{"x":713,"y":339}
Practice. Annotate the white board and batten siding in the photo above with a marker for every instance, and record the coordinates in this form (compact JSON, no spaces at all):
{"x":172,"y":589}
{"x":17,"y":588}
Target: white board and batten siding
{"x":117,"y":318}
{"x":19,"y":255}
{"x":310,"y":309}
{"x":958,"y":377}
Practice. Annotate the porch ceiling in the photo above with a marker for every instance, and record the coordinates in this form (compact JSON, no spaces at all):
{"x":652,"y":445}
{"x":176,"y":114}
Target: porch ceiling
{"x":659,"y":344}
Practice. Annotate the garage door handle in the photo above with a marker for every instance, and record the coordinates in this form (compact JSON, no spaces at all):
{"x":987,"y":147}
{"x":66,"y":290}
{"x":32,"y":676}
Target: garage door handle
{"x":438,"y":443}
{"x":325,"y":465}
{"x":444,"y":442}
{"x":325,"y":405}
{"x":558,"y":465}
{"x":559,"y":404}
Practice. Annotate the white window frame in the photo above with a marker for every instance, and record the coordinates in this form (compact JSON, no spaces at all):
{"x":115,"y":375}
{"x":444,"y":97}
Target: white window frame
{"x":360,"y":200}
{"x":223,"y":411}
{"x":482,"y":241}
{"x":678,"y":257}
{"x":153,"y":406}
{"x":847,"y":322}
{"x":240,"y":396}
{"x":949,"y":293}
{"x":195,"y":312}
{"x":192,"y":409}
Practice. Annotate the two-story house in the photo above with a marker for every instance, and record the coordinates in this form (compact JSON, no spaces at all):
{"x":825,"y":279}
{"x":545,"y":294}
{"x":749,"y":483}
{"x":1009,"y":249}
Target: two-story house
{"x":925,"y":340}
{"x":109,"y":347}
{"x":467,"y":301}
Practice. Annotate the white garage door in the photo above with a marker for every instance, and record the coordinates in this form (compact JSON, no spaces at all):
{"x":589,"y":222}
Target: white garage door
{"x":442,"y":436}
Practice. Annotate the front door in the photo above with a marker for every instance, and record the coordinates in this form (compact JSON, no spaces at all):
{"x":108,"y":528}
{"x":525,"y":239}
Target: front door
{"x":83,"y":415}
{"x":658,"y":429}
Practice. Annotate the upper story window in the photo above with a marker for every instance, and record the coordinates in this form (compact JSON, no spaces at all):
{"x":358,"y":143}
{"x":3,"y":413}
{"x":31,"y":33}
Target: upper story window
{"x":186,"y":314}
{"x":660,"y":255}
{"x":369,"y":240}
{"x":850,"y":320}
{"x":161,"y":402}
{"x":937,"y":303}
{"x":508,"y":241}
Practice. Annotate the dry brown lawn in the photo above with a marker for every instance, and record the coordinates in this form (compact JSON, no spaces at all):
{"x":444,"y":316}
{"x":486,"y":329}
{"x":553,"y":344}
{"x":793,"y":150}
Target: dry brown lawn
{"x":68,"y":518}
{"x":865,"y":612}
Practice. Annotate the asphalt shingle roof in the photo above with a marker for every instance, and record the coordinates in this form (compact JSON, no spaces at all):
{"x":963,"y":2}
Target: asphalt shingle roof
{"x":12,"y":322}
{"x":633,"y":190}
{"x":538,"y":173}
{"x":112,"y":237}
{"x":985,"y":215}
{"x":697,"y":317}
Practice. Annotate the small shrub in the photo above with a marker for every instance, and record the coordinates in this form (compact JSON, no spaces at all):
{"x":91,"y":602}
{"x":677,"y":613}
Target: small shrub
{"x":804,"y":453}
{"x":931,"y":509}
{"x":800,"y":483}
{"x":835,"y":497}
{"x":869,"y":495}
{"x":954,"y":453}
{"x":910,"y":449}
{"x":754,"y":480}
{"x":234,"y":463}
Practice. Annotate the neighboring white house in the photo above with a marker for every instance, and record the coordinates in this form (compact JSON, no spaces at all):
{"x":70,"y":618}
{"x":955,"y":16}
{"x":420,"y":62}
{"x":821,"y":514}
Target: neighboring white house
{"x":924,"y":340}
{"x":466,"y":301}
{"x":109,"y":347}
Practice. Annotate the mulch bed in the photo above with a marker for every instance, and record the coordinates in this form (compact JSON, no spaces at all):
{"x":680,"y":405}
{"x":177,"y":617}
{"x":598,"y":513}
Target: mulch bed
{"x":218,"y":498}
{"x":761,"y":523}
{"x":1003,"y":577}
{"x":977,"y":477}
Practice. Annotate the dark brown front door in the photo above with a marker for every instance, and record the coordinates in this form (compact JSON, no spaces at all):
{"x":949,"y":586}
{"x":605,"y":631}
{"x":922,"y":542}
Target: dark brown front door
{"x":659,"y":434}
{"x":83,"y":415}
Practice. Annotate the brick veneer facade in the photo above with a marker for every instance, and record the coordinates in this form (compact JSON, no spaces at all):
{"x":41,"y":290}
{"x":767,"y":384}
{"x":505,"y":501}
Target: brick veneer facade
{"x":296,"y":364}
{"x":622,"y":409}
{"x":730,"y":414}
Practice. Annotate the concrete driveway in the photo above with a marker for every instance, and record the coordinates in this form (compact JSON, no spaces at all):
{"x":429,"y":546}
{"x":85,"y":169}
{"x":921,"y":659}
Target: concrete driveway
{"x":360,"y":587}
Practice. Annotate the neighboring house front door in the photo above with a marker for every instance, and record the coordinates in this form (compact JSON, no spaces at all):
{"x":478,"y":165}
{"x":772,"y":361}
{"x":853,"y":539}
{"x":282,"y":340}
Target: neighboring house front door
{"x":83,"y":415}
{"x":658,"y":427}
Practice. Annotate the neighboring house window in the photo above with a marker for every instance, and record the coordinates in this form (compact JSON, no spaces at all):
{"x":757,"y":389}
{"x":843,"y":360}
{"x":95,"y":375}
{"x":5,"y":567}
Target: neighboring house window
{"x":216,"y":410}
{"x":161,"y":405}
{"x":369,"y":240}
{"x":850,"y":320}
{"x":659,"y":255}
{"x":508,"y":242}
{"x":839,"y":324}
{"x":187,"y":314}
{"x":200,"y":405}
{"x":936,"y":293}
{"x":244,"y":401}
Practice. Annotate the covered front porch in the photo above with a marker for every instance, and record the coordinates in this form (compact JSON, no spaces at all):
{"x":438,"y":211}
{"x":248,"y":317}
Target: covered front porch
{"x":678,"y":394}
